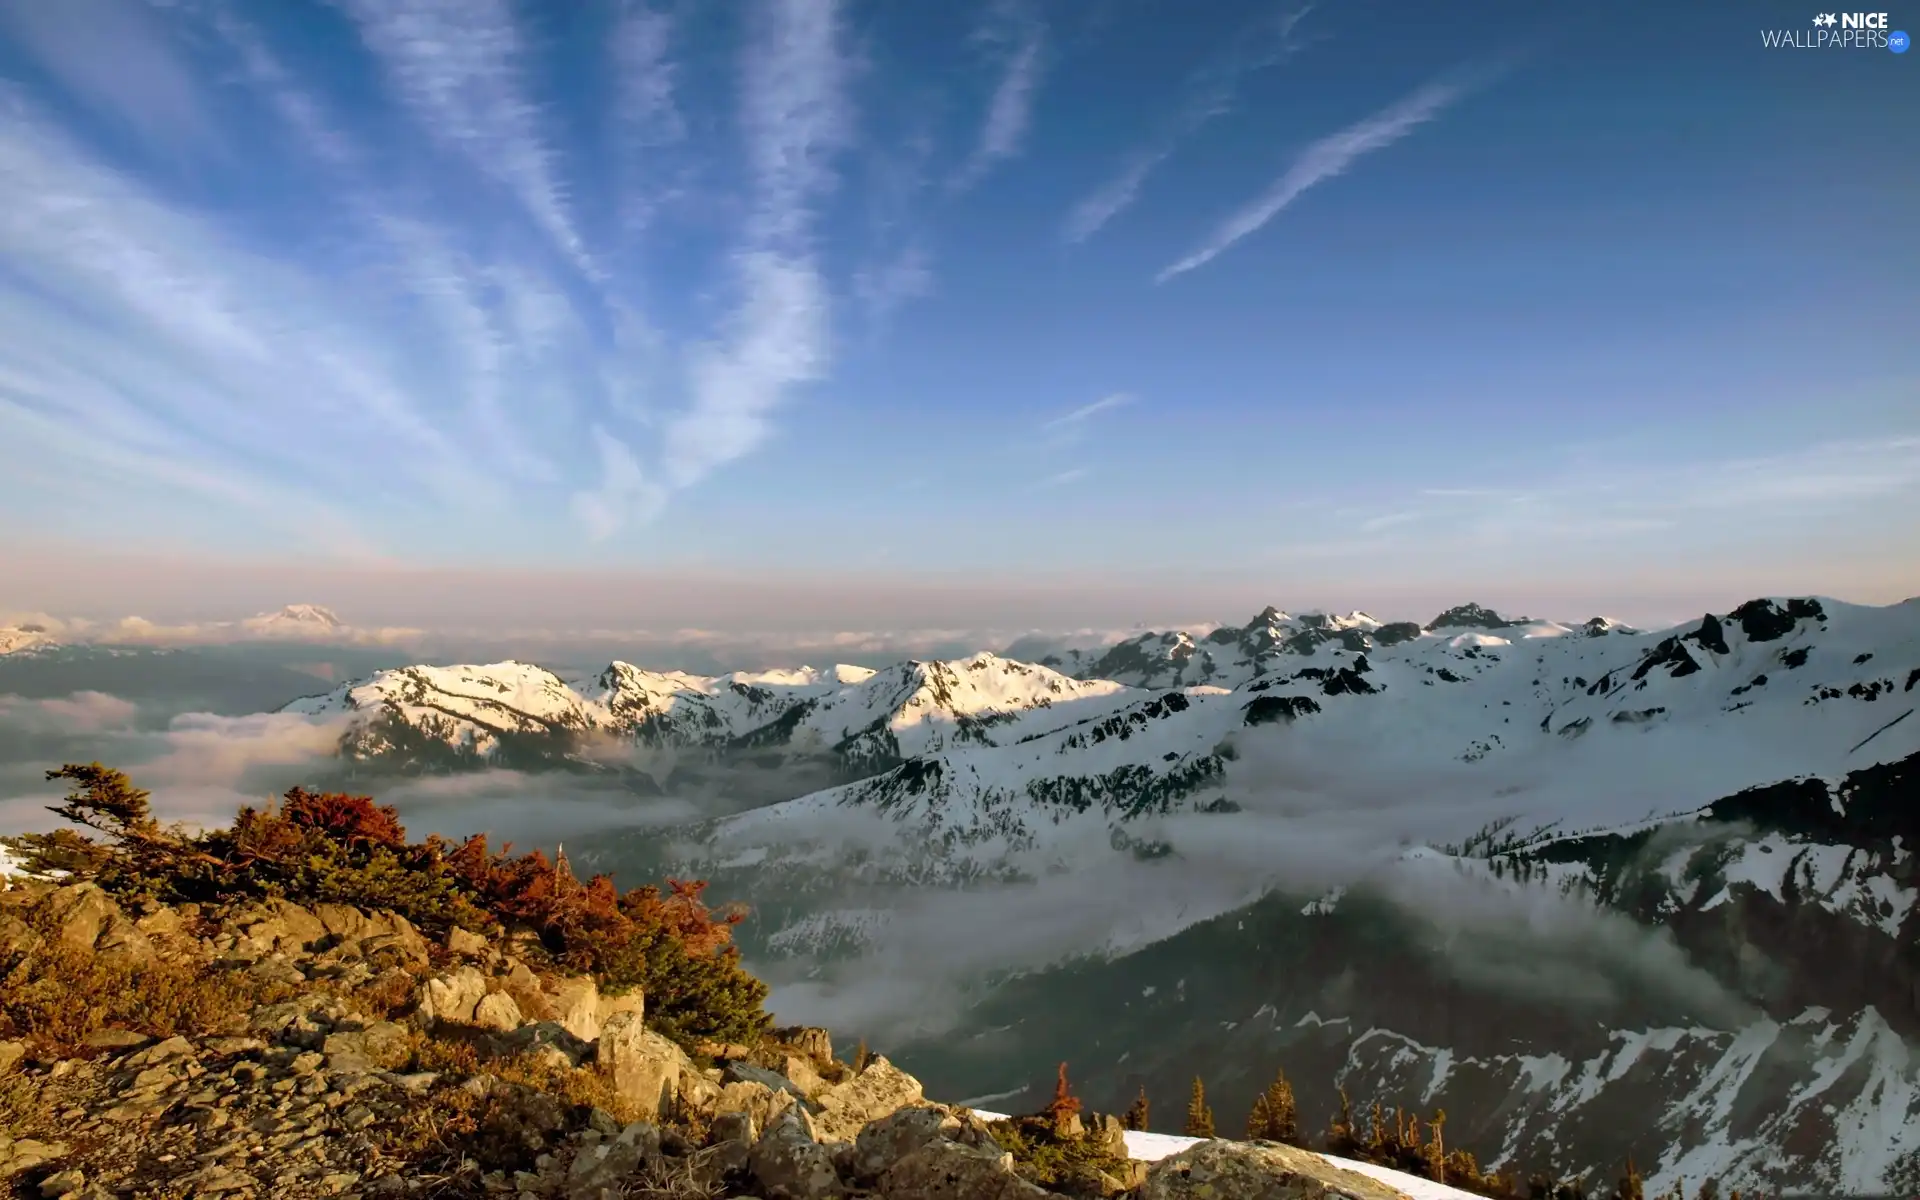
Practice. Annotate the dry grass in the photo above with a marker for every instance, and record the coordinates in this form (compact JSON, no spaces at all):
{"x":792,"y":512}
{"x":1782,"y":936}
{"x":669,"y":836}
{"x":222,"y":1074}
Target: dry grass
{"x":19,"y":1101}
{"x":385,"y":996}
{"x":672,"y":1179}
{"x":57,"y":997}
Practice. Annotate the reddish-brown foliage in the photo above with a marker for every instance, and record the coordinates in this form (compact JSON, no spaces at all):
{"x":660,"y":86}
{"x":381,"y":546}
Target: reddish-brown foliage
{"x":336,"y":847}
{"x":349,"y":820}
{"x":1064,"y":1105}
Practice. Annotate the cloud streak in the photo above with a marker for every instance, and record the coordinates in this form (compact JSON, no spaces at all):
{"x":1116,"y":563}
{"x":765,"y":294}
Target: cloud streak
{"x":1210,"y":93}
{"x":796,"y":119}
{"x":1071,"y":424}
{"x":1010,"y":110}
{"x":457,"y":64}
{"x":1328,"y":158}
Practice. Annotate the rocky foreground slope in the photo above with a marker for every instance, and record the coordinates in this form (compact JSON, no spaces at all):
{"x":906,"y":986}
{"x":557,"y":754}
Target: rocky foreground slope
{"x":270,"y":1049}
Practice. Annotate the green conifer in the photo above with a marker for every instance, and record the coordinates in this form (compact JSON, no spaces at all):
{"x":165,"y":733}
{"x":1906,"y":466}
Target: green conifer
{"x":1199,"y":1116}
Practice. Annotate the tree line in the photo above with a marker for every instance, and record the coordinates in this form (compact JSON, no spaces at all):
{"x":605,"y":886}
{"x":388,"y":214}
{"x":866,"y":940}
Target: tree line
{"x":1401,"y":1140}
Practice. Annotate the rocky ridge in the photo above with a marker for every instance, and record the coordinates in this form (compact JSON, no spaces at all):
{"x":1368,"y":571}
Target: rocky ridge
{"x":354,"y":1057}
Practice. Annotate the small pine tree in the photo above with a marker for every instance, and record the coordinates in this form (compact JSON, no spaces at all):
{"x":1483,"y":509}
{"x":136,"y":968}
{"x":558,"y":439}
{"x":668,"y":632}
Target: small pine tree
{"x":1199,"y":1116}
{"x":106,"y":801}
{"x":1136,"y":1116}
{"x":1342,"y":1139}
{"x":1259,"y":1119}
{"x":1274,"y":1117}
{"x":1631,"y":1186}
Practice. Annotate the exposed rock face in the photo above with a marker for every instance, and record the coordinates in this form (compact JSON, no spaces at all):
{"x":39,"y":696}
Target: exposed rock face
{"x":649,"y":1071}
{"x":1219,"y":1170}
{"x":880,"y":1089}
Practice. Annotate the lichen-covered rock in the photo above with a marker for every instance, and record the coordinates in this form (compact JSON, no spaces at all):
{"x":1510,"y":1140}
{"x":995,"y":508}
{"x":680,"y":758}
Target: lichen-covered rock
{"x":808,"y":1040}
{"x":547,"y":1039}
{"x":576,"y":1005}
{"x":649,"y":1072}
{"x":756,"y":1101}
{"x":609,"y":1162}
{"x":77,"y":913}
{"x":497,"y":1011}
{"x":788,"y":1164}
{"x":880,"y":1089}
{"x":945,"y":1170}
{"x":464,"y":943}
{"x":452,"y":996}
{"x":886,"y":1141}
{"x":1223,"y":1170}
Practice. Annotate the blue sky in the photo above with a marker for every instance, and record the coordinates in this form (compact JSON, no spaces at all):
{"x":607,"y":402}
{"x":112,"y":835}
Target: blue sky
{"x":1332,"y":301}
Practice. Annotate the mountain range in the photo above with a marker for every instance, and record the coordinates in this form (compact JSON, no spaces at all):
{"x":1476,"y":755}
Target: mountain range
{"x":1597,"y":891}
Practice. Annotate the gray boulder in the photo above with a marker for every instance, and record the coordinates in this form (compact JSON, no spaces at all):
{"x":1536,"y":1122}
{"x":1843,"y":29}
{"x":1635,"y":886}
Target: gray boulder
{"x":944,"y":1170}
{"x":788,"y":1164}
{"x":1214,"y":1169}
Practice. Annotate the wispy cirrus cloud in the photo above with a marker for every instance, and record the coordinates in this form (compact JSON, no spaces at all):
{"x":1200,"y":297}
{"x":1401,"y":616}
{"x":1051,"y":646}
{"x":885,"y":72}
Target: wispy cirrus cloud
{"x":1325,"y":159}
{"x":1210,"y":93}
{"x":647,"y":115}
{"x":458,"y":66}
{"x":1073,"y":424}
{"x":1020,"y":38}
{"x":647,"y":105}
{"x":795,"y":118}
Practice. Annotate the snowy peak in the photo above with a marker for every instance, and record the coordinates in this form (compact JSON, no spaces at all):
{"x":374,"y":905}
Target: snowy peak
{"x":866,"y":718}
{"x":1472,"y":616}
{"x":296,"y":621}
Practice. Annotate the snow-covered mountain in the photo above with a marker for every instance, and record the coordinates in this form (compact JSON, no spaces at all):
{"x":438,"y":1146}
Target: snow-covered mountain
{"x":298,"y":621}
{"x":860,"y":717}
{"x":1229,"y":656}
{"x":1547,"y":723}
{"x":1355,"y":846}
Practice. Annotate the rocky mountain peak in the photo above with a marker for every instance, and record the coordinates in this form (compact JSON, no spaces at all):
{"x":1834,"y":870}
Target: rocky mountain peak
{"x":1472,"y":616}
